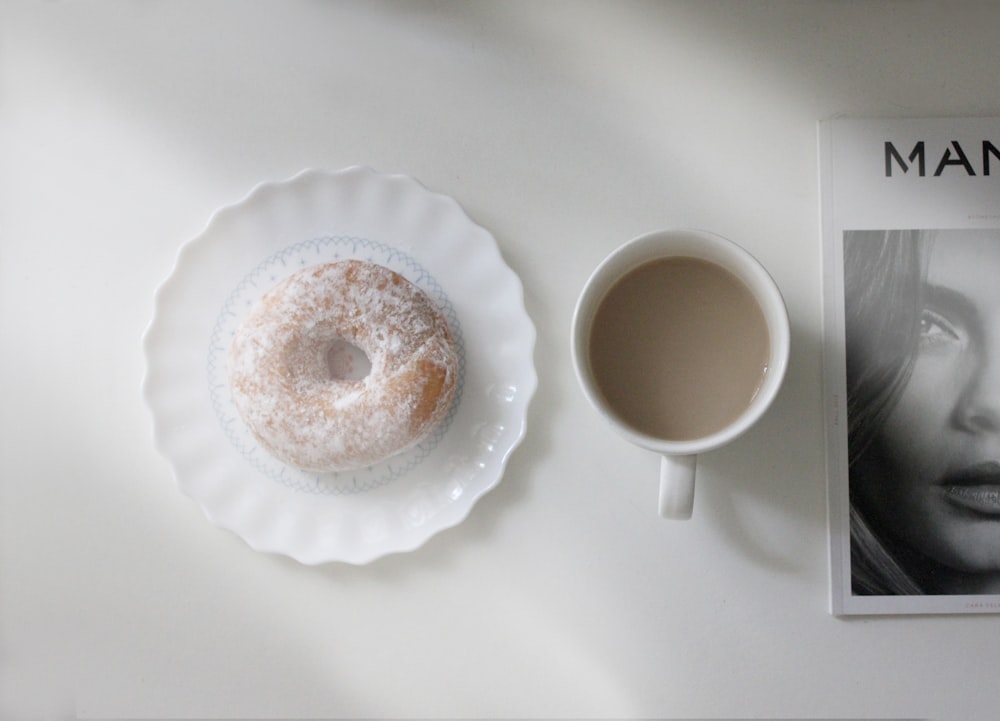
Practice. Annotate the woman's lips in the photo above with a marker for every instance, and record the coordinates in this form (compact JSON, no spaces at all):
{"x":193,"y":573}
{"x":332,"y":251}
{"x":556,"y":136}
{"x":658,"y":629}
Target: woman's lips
{"x":975,"y":488}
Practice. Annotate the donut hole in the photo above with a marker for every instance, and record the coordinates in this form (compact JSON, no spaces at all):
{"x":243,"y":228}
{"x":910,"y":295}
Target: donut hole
{"x":346,"y":362}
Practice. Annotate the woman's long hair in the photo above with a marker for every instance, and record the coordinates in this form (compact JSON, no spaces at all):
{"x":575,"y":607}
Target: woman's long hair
{"x":884,"y":274}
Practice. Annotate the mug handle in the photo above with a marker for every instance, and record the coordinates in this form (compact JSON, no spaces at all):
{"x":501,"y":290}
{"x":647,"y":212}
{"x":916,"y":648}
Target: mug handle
{"x":677,"y":486}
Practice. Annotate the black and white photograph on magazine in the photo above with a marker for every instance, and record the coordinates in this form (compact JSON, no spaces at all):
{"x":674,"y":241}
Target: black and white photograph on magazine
{"x":912,"y":340}
{"x":922,"y":315}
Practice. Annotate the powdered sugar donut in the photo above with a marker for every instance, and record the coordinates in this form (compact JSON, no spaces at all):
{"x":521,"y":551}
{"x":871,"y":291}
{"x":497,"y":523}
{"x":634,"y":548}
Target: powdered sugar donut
{"x":302,"y":410}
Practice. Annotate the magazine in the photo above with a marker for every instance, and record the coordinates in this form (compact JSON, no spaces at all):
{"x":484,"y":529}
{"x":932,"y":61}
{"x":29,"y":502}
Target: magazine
{"x":910,"y":215}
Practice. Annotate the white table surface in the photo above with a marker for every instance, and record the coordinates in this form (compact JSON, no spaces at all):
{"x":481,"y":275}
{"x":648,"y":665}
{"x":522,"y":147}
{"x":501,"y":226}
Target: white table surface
{"x":565,"y":129}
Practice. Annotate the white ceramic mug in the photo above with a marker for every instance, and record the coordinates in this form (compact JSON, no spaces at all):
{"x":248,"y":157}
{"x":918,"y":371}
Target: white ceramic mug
{"x":678,"y":457}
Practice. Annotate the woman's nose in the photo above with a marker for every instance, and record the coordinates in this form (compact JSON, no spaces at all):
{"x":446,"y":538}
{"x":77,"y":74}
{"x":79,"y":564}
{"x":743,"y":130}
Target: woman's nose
{"x":979,"y":407}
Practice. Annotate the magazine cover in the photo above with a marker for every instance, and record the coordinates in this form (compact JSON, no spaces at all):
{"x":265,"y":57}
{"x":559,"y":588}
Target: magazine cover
{"x":910,"y":215}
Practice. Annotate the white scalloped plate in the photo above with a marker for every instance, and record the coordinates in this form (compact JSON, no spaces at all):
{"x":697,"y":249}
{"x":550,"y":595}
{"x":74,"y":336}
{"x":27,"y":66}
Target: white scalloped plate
{"x":246,"y":248}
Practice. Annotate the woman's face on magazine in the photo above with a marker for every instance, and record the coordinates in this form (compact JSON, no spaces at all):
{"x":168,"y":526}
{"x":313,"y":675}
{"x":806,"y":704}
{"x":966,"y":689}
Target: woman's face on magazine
{"x":942,"y":439}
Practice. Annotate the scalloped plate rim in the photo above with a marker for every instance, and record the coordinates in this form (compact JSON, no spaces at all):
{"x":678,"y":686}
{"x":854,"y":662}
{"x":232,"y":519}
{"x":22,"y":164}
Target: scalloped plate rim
{"x":363,"y":554}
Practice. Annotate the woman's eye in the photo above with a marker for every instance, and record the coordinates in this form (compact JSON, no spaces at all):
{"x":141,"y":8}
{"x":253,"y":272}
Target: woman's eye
{"x":935,"y":328}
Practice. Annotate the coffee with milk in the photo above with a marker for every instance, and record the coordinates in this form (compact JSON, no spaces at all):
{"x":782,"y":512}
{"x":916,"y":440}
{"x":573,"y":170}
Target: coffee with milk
{"x":679,"y":347}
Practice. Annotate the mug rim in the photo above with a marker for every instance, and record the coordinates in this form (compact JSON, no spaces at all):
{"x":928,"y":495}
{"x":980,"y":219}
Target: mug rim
{"x":751,"y":272}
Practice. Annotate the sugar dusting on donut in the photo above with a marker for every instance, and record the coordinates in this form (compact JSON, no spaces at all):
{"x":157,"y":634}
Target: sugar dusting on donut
{"x":299,"y":409}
